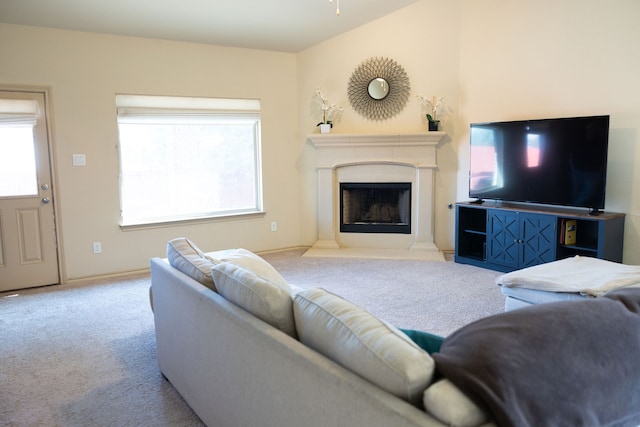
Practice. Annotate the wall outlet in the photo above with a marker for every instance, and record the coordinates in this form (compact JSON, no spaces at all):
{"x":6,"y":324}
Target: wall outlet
{"x":274,"y":226}
{"x":97,"y":247}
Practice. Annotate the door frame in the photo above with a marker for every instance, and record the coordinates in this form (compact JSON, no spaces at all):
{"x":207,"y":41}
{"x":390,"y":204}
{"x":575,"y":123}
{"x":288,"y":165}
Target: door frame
{"x":46,"y":92}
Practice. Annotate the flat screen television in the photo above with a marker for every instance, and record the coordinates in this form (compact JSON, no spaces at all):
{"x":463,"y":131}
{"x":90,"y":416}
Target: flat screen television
{"x":559,"y":161}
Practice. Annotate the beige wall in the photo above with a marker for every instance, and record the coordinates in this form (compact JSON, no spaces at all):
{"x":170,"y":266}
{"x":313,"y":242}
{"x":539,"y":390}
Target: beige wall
{"x":85,"y":71}
{"x":495,"y":60}
{"x":547,"y":58}
{"x":423,"y":39}
{"x":491,"y":59}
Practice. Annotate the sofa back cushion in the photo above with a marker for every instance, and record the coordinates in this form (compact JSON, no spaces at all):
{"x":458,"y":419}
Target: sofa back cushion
{"x":362,"y":343}
{"x":268,"y":301}
{"x":185,"y":256}
{"x":251,"y":262}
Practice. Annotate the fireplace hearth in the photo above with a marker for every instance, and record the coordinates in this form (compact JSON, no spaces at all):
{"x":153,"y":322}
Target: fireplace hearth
{"x":375,"y":207}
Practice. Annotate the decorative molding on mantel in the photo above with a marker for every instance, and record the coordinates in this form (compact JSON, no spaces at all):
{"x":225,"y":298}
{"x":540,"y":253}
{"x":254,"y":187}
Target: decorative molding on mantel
{"x":416,"y":149}
{"x":373,"y":140}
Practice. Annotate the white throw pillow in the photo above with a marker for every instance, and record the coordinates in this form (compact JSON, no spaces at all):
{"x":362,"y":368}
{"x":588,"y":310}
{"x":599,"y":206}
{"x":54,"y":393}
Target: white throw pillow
{"x":185,"y":256}
{"x":268,"y":301}
{"x":251,"y":262}
{"x":447,"y":403}
{"x":362,"y":343}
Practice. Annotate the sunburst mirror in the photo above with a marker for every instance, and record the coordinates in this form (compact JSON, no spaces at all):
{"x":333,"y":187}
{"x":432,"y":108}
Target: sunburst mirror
{"x":379,"y":88}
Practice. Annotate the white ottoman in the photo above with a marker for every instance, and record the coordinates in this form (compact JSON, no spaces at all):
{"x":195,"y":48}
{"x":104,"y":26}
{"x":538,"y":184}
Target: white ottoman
{"x":568,"y":279}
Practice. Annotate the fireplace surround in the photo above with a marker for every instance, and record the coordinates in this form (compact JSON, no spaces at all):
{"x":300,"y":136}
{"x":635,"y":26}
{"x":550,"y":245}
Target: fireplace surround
{"x":383,"y":159}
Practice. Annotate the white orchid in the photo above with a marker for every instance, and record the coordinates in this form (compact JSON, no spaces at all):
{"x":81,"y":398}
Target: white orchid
{"x":434,"y":103}
{"x":328,"y":111}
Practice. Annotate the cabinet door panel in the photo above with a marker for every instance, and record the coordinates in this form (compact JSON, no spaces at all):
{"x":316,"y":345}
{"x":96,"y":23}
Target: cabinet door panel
{"x":502,"y":238}
{"x":538,"y":239}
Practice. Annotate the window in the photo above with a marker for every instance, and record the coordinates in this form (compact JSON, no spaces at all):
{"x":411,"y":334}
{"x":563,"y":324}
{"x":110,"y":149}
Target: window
{"x":18,"y":174}
{"x":188,"y":158}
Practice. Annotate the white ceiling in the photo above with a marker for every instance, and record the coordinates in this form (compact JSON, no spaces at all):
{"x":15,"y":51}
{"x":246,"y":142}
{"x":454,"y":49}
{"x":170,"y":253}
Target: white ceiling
{"x":280,"y":25}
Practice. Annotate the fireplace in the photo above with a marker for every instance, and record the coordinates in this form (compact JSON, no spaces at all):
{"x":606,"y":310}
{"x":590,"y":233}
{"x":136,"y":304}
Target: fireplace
{"x":358,"y":161}
{"x":375,"y":207}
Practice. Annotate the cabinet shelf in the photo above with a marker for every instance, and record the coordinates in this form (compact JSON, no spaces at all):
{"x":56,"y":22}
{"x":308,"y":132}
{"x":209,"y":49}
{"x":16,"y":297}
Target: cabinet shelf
{"x":483,"y":233}
{"x":580,"y":248}
{"x":506,"y":237}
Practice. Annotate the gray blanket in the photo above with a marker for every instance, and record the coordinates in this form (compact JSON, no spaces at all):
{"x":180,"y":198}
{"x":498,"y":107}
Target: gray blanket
{"x":572,"y":363}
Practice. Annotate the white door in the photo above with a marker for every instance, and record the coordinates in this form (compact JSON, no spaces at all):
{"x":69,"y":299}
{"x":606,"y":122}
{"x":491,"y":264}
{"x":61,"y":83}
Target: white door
{"x":28,"y":249}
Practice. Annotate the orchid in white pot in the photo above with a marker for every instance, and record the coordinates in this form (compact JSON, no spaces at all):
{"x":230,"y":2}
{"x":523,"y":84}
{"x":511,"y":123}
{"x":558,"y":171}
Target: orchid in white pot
{"x":329,"y":112}
{"x":435,"y":104}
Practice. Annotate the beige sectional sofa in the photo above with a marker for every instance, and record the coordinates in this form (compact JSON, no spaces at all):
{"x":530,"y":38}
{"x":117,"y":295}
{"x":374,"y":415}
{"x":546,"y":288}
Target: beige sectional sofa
{"x":244,"y":348}
{"x":235,"y":368}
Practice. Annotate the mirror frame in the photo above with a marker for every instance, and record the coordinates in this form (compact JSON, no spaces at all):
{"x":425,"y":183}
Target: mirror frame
{"x":396,"y":98}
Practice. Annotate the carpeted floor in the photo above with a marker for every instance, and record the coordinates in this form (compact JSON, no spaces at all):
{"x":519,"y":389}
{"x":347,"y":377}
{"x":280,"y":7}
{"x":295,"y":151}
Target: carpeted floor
{"x":85,"y":354}
{"x":438,"y":297}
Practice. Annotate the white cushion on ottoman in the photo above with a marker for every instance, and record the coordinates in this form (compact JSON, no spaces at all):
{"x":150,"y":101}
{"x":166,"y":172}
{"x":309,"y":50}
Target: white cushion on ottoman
{"x":590,"y":276}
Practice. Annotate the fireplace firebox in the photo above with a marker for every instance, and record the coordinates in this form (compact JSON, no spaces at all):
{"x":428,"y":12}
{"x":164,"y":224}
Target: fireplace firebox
{"x":375,"y":207}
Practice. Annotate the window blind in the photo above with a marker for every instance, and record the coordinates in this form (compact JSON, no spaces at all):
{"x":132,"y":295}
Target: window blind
{"x":18,"y":112}
{"x":184,"y":110}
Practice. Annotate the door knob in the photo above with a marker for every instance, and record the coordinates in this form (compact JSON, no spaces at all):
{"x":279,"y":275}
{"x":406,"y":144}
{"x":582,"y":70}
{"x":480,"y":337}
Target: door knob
{"x":45,"y":200}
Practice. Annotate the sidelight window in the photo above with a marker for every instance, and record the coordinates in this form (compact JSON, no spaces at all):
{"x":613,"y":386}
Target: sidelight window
{"x":18,"y":175}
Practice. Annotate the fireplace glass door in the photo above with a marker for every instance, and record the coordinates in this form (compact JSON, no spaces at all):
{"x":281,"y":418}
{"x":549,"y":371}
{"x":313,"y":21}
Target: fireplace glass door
{"x":375,"y":207}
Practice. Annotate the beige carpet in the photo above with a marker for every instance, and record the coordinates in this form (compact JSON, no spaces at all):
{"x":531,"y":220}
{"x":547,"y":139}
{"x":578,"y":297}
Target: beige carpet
{"x":84,"y":355}
{"x":438,"y":297}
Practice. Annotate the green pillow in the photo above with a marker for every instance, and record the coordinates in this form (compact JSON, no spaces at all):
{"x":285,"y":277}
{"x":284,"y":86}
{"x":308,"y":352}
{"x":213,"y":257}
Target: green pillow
{"x":428,"y":342}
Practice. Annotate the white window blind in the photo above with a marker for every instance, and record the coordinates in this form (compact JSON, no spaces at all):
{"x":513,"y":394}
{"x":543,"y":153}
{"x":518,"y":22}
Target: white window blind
{"x":18,"y":112}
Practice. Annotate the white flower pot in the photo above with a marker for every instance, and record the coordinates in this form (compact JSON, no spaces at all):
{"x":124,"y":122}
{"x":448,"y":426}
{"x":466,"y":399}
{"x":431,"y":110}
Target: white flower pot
{"x":325,"y":128}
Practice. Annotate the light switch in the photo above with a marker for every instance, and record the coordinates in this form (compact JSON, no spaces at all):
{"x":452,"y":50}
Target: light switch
{"x":79,"y":160}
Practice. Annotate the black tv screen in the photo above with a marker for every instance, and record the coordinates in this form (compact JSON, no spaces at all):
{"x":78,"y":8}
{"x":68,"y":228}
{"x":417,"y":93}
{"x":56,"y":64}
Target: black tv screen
{"x":561,"y":161}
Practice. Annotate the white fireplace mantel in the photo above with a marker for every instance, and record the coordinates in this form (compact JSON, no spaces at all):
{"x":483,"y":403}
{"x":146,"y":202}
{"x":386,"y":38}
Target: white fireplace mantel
{"x":377,"y":157}
{"x":418,"y":149}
